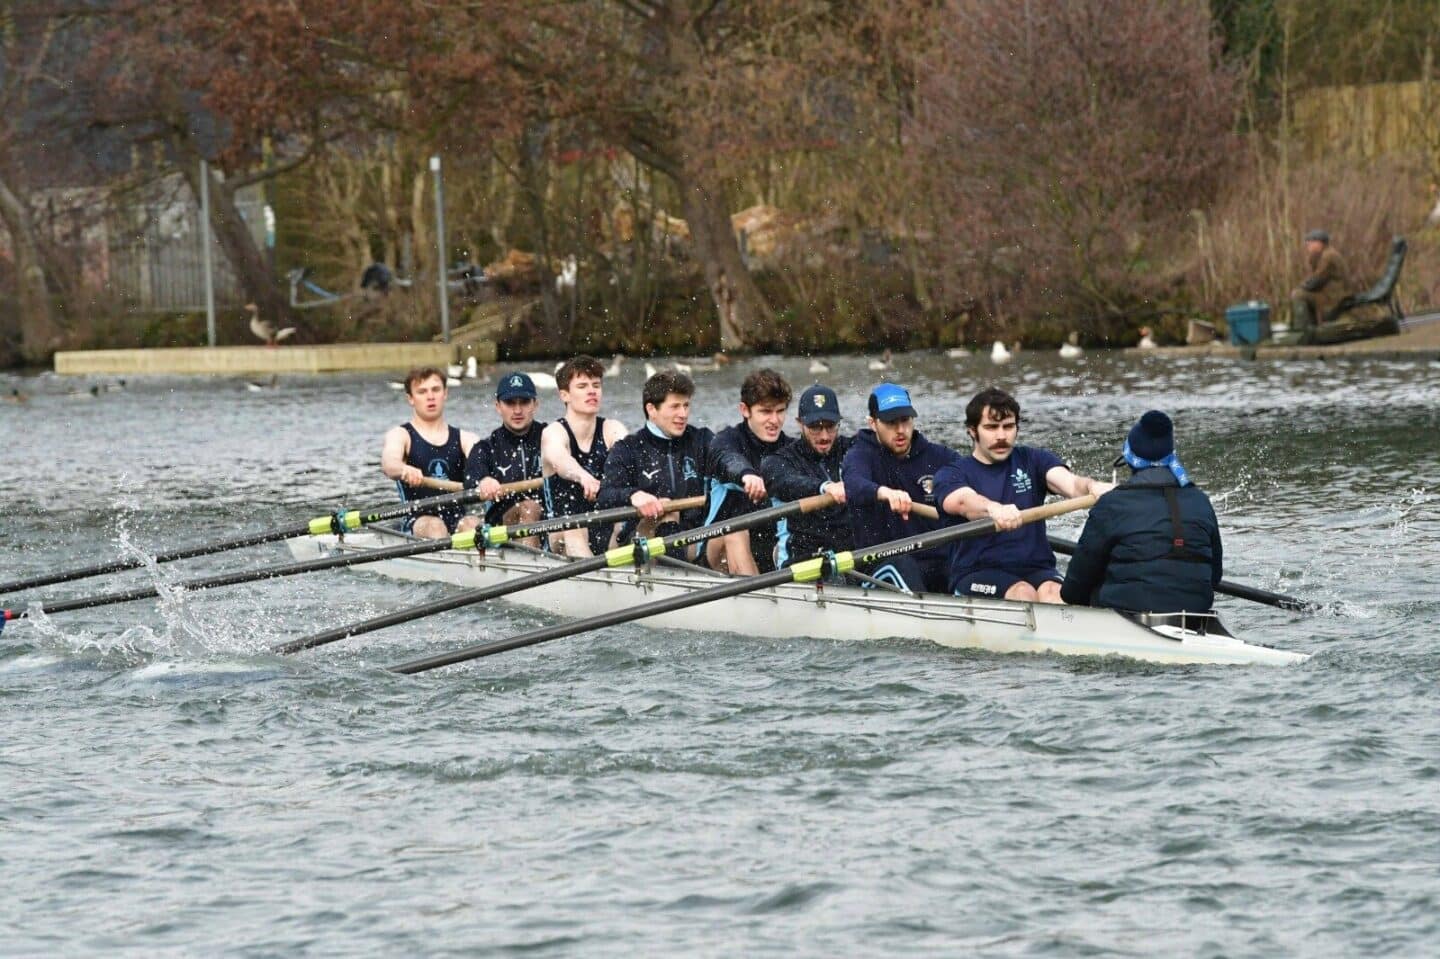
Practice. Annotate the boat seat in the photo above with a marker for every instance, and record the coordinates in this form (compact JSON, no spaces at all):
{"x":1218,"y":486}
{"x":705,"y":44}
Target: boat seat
{"x":1206,"y":624}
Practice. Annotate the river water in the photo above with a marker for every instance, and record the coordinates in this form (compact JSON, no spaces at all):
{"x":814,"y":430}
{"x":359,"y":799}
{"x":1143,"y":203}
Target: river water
{"x":169,"y":788}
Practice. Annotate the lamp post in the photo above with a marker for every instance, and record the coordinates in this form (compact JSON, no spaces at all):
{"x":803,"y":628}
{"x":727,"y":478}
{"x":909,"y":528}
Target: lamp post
{"x":207,"y":264}
{"x":440,"y":249}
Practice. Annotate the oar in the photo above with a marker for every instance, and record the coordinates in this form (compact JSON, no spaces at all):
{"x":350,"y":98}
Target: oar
{"x":620,"y":556}
{"x":1068,"y":546}
{"x":336,"y":523}
{"x":489,"y":536}
{"x":803,"y":572}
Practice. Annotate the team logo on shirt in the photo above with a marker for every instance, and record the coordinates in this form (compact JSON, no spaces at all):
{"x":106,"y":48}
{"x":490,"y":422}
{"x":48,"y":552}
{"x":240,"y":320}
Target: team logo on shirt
{"x":927,"y":483}
{"x":438,"y":469}
{"x":689,"y":469}
{"x":1022,"y":483}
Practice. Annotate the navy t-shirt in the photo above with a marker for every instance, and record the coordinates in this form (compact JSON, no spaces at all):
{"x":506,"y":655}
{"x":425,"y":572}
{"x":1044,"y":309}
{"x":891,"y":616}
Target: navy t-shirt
{"x":1019,"y":480}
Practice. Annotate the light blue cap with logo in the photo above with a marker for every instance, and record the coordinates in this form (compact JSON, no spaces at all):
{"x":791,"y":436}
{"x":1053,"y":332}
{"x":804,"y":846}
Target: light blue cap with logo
{"x":890,"y":402}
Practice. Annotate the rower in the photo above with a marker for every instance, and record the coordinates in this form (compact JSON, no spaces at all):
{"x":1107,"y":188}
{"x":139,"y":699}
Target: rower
{"x":1157,"y":547}
{"x":890,"y":467}
{"x":807,"y":465}
{"x":665,"y":459}
{"x":428,"y":447}
{"x":508,"y":455}
{"x":736,"y":484}
{"x":573,"y":450}
{"x":996,"y":481}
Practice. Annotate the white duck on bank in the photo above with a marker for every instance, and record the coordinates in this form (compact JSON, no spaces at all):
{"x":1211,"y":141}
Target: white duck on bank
{"x":616,"y":362}
{"x":998,"y":354}
{"x":1070,"y":349}
{"x":1146,"y":342}
{"x":882,"y":365}
{"x":818,"y":366}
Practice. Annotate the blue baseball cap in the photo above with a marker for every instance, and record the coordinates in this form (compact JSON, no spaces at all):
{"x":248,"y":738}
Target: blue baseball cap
{"x":889,"y":402}
{"x":515,"y":386}
{"x":819,"y":404}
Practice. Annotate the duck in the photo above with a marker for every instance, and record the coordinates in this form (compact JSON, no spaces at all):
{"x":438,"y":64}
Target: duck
{"x":957,"y":353}
{"x":89,"y":394}
{"x":1146,"y":342}
{"x":569,"y":270}
{"x":472,"y":367}
{"x":650,"y":370}
{"x":454,"y":369}
{"x":818,"y":366}
{"x":17,"y":397}
{"x":998,"y":353}
{"x":615,"y":363}
{"x":685,"y":368}
{"x":1070,"y":349}
{"x":543,"y":381}
{"x":881,"y":365}
{"x":270,"y":384}
{"x":264,"y":329}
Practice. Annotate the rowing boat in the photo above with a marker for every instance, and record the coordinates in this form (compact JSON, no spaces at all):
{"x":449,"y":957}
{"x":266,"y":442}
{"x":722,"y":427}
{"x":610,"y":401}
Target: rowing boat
{"x":838,"y":612}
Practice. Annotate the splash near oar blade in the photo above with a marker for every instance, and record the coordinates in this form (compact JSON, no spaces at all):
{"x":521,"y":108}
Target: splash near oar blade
{"x":470,"y":539}
{"x":1238,"y":590}
{"x":803,"y":572}
{"x":635,"y":553}
{"x":340,"y":522}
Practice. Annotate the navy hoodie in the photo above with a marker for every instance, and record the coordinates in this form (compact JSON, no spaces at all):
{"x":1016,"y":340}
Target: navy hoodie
{"x":869,"y":466}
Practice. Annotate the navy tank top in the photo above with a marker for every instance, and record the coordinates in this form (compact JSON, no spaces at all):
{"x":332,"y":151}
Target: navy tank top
{"x":563,"y":496}
{"x":441,"y":462}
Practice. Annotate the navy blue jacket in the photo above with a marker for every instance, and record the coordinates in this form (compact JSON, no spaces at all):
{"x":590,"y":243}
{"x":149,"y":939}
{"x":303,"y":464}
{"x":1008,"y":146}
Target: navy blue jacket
{"x":797,"y":471}
{"x":869,"y":466}
{"x":509,"y":457}
{"x":668,"y":468}
{"x":1127,"y":557}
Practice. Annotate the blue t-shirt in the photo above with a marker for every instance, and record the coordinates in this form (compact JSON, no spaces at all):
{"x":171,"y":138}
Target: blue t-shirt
{"x":1019,"y":480}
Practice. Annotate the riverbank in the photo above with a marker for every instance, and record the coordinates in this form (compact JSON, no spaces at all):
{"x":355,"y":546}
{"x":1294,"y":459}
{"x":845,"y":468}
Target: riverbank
{"x":1420,"y":341}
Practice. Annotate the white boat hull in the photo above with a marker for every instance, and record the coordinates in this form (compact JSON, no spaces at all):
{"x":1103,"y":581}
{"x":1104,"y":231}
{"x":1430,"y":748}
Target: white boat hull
{"x":832,"y":612}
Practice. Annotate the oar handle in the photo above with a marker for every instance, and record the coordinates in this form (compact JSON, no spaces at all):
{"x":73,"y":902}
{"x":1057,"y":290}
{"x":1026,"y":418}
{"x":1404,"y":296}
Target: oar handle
{"x":450,"y":486}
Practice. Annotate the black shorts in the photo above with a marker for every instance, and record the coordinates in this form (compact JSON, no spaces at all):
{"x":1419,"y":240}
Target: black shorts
{"x":995,"y":583}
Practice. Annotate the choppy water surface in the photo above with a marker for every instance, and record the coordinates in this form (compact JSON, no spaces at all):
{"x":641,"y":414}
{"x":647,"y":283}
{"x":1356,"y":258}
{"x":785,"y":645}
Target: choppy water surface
{"x":167,"y":787}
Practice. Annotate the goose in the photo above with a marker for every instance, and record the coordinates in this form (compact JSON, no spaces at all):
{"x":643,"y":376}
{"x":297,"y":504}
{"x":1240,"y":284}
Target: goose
{"x":818,"y":366}
{"x":1146,"y":342}
{"x":271,"y":384}
{"x":264,"y":329}
{"x":543,"y":381}
{"x":650,"y":370}
{"x":882,"y":364}
{"x":615,"y":362}
{"x":1070,"y":349}
{"x":454,"y":369}
{"x":957,"y":353}
{"x":685,"y":368}
{"x":998,"y":353}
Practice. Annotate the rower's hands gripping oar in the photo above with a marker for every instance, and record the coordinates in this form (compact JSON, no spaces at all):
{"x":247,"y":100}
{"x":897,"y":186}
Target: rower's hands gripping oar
{"x":633,"y":554}
{"x":470,"y":539}
{"x":340,"y":522}
{"x":805,"y":571}
{"x":1239,"y":590}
